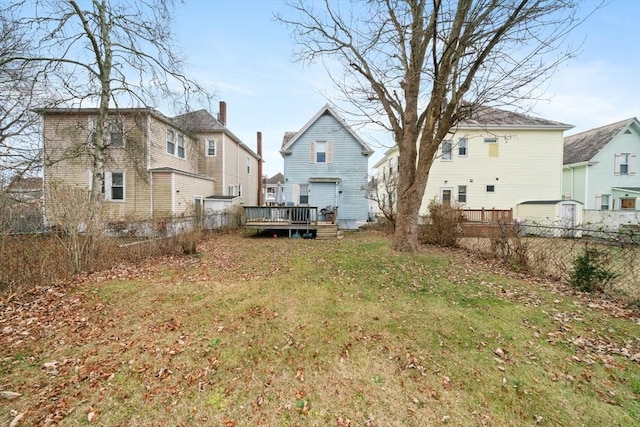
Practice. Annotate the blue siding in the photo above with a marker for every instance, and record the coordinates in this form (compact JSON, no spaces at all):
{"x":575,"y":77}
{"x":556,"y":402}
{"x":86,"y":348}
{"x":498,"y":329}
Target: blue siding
{"x":350,"y":165}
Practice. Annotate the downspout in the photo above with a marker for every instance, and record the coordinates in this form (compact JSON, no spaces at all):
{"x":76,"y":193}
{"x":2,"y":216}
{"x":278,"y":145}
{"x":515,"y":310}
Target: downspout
{"x":149,"y":164}
{"x":259,"y":148}
{"x":586,"y":186}
{"x":223,"y":146}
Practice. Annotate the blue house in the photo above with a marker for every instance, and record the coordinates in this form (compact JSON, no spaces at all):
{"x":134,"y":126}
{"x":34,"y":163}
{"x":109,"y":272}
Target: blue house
{"x":325,"y":165}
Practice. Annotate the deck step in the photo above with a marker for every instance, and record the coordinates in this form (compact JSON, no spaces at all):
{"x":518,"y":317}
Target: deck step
{"x":327,"y":231}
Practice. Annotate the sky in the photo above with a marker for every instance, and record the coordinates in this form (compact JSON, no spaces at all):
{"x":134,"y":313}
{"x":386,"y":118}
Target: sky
{"x":237,"y":50}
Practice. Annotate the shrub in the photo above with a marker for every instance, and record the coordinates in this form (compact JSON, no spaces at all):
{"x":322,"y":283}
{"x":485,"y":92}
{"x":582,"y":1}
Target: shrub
{"x":589,"y":272}
{"x":444,"y":227}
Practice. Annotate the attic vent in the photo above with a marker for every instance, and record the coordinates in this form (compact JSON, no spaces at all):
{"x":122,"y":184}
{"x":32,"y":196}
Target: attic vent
{"x":628,"y":132}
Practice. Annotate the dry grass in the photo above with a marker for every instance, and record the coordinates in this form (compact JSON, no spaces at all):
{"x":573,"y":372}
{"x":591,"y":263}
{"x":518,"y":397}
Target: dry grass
{"x":278,"y":332}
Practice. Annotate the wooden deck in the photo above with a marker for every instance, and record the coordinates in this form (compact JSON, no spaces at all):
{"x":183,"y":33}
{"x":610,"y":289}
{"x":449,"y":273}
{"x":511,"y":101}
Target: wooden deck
{"x":295,"y":219}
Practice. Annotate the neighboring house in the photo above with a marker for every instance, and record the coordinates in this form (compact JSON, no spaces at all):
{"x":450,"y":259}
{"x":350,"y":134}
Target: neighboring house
{"x":325,"y":165}
{"x":27,"y":190}
{"x":271,"y":188}
{"x":231,"y":163}
{"x":496,"y":159}
{"x":601,"y":167}
{"x":156,"y":166}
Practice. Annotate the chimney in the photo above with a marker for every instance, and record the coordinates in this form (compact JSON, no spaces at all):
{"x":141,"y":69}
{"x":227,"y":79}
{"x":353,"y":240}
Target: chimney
{"x":222,"y":114}
{"x":261,"y":190}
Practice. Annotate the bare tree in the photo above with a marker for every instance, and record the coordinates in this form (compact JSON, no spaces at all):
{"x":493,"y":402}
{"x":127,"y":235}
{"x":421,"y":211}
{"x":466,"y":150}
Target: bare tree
{"x":382,"y":190}
{"x":106,"y":53}
{"x":420,"y":67}
{"x":19,"y":92}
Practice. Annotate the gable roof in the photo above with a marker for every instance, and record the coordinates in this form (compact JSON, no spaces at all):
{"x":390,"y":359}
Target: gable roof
{"x":290,"y":138}
{"x":202,"y":121}
{"x":489,"y":117}
{"x":583,"y":146}
{"x":275,"y":179}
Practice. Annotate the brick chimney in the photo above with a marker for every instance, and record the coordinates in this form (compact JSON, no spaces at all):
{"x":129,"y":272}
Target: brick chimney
{"x":222,"y":114}
{"x":261,"y":190}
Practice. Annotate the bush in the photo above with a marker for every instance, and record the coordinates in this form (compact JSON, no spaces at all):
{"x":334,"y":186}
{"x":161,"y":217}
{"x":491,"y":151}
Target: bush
{"x":444,"y":227}
{"x":589,"y":272}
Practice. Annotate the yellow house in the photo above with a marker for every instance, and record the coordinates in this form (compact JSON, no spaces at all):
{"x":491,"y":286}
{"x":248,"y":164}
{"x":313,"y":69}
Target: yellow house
{"x":155,"y":167}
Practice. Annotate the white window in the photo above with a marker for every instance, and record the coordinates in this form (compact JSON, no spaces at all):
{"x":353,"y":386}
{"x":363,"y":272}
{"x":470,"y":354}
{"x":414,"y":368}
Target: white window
{"x":462,"y":147}
{"x":112,"y":185}
{"x":321,"y":152}
{"x":603,"y":202}
{"x":240,"y":190}
{"x":625,"y":164}
{"x":446,"y":150}
{"x":462,"y":194}
{"x":116,"y":134}
{"x":181,"y":152}
{"x":211,"y":147}
{"x":171,"y":146}
{"x":117,"y":185}
{"x":391,"y":165}
{"x":230,"y":190}
{"x":248,"y":165}
{"x":304,"y":194}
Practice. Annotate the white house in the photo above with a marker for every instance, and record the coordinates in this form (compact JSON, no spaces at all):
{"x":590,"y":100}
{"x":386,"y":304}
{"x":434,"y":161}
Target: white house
{"x":496,"y":159}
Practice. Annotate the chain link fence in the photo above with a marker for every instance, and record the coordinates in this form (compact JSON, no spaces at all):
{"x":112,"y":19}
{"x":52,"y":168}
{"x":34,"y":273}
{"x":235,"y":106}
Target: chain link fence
{"x":553,"y":252}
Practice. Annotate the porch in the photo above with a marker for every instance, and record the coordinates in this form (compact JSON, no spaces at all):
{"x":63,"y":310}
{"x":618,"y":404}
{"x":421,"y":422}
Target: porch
{"x":305,"y":220}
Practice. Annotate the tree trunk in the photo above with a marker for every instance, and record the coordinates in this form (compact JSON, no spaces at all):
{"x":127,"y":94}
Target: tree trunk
{"x":405,"y":236}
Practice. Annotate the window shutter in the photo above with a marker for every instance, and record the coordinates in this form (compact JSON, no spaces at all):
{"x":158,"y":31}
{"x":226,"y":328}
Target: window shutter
{"x":616,"y":164}
{"x":493,"y":150}
{"x":598,"y":201}
{"x":312,"y":152}
{"x":296,"y":193}
{"x":329,"y":152}
{"x":633,"y":164}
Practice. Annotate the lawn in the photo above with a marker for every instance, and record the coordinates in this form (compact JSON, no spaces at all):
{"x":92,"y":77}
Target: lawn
{"x":285,"y":332}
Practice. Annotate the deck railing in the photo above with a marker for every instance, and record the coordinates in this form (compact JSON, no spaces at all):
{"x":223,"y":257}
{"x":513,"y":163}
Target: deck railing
{"x":488,"y":215}
{"x":280,"y":215}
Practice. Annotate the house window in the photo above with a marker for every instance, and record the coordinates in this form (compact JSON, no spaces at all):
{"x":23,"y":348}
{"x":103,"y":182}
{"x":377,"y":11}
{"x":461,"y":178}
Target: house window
{"x":627,"y":204}
{"x":321,"y":151}
{"x":117,"y":186}
{"x":391,"y":165}
{"x":446,"y":150}
{"x":604,"y":202}
{"x":248,"y":165}
{"x":462,"y":147}
{"x":230,"y":190}
{"x":398,"y":164}
{"x":491,"y":188}
{"x":625,"y":164}
{"x":240,"y":190}
{"x":116,"y":135}
{"x":211,"y":147}
{"x":171,"y":146}
{"x":491,"y":140}
{"x":181,"y":146}
{"x":462,"y":194}
{"x":304,"y":194}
